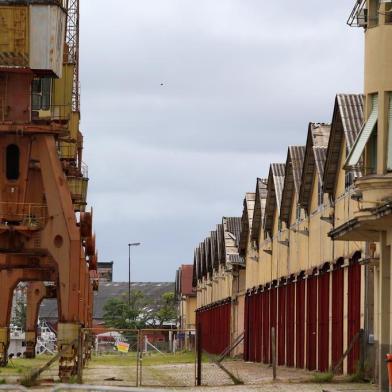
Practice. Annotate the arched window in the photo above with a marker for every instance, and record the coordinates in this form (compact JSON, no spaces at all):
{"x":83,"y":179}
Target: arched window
{"x":12,"y":162}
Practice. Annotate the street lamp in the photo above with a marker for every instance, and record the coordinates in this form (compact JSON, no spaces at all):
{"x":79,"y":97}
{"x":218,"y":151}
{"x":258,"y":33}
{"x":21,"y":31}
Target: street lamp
{"x":129,"y":272}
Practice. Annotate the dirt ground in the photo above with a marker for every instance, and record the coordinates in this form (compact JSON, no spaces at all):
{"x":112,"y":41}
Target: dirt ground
{"x":161,"y":375}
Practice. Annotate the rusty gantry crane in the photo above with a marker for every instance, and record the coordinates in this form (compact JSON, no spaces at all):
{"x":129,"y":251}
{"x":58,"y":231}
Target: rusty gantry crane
{"x":45,"y":233}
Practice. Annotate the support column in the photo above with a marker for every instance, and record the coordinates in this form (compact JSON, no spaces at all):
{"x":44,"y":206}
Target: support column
{"x":7,"y":284}
{"x":36,"y":292}
{"x":384,"y":310}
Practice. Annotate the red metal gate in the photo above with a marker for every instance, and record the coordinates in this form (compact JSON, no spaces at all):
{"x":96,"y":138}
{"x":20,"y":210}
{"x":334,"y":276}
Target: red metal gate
{"x":311,"y":323}
{"x":300,"y":323}
{"x":323,"y":321}
{"x":281,"y":324}
{"x":214,"y":321}
{"x":266,"y":326}
{"x":337,"y":314}
{"x":246,"y":328}
{"x":258,"y":338}
{"x":354,"y":312}
{"x":290,"y":320}
{"x":273,"y":311}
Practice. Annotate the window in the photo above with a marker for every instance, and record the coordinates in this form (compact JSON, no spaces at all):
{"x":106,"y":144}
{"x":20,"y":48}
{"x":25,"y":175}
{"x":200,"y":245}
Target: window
{"x":371,"y":165}
{"x":41,"y":89}
{"x":12,"y":162}
{"x":374,"y":6}
{"x":298,"y":213}
{"x":348,"y":179}
{"x":388,"y":13}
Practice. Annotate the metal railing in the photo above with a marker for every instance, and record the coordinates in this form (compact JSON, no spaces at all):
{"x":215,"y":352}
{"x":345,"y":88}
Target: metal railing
{"x":26,"y":214}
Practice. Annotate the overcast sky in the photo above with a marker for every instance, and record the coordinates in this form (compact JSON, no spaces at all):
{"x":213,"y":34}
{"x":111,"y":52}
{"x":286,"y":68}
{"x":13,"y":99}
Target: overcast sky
{"x":241,"y":80}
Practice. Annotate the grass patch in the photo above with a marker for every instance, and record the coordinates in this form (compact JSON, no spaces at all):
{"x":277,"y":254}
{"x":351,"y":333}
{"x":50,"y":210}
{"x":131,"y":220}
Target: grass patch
{"x":320,"y":378}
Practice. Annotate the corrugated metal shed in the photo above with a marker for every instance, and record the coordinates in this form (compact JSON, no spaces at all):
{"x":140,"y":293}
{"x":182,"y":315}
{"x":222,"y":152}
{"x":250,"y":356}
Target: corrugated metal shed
{"x":292,"y":179}
{"x":274,"y":194}
{"x":259,"y":208}
{"x":317,"y":139}
{"x":246,"y":221}
{"x":347,"y":122}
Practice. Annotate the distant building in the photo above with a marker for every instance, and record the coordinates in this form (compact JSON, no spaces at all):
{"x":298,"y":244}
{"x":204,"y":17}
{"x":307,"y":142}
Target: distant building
{"x":105,"y":271}
{"x":186,"y":297}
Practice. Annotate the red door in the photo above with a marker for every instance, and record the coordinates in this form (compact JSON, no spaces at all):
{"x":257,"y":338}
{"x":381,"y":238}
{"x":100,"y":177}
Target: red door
{"x":273,"y":311}
{"x":337,"y":315}
{"x":290,"y":314}
{"x":311,"y":323}
{"x":281,"y":324}
{"x":246,"y":328}
{"x":300,"y":323}
{"x":258,"y":327}
{"x":266,"y":326}
{"x":354,"y":314}
{"x":323,"y":321}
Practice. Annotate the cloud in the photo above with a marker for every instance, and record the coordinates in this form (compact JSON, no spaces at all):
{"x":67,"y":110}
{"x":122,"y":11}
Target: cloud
{"x":241,"y":80}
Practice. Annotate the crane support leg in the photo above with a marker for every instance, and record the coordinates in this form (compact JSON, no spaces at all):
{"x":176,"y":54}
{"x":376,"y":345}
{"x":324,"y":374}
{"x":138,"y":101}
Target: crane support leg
{"x":61,"y":237}
{"x":36,"y":292}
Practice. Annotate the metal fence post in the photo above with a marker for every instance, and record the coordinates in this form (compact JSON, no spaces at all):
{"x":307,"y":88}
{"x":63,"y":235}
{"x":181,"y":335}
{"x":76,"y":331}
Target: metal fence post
{"x":273,"y":343}
{"x":137,"y":357}
{"x":199,"y":351}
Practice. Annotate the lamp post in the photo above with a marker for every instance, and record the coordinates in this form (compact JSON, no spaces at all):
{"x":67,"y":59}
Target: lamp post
{"x":129,"y":272}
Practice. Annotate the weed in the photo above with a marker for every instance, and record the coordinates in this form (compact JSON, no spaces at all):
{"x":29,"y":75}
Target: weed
{"x":322,"y":377}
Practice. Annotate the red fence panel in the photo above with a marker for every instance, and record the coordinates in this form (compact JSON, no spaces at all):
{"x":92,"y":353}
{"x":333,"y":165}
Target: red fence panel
{"x":281,"y":333}
{"x":300,"y":323}
{"x":354,"y":313}
{"x":290,"y":320}
{"x":323,"y":321}
{"x":311,"y":323}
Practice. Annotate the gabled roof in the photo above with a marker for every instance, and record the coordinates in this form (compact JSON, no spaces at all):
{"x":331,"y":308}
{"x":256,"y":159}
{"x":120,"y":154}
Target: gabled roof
{"x":207,"y":250}
{"x":347,"y":121}
{"x":246,"y":221}
{"x":195,"y":276}
{"x":274,"y":194}
{"x":232,"y":232}
{"x":185,"y":273}
{"x":315,"y":153}
{"x":214,"y":250}
{"x":221,"y":243}
{"x":203,"y":261}
{"x":259,"y":208}
{"x":292,"y":179}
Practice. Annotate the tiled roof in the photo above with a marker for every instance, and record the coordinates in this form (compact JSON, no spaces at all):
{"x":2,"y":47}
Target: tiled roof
{"x":274,"y":193}
{"x":292,"y":180}
{"x":186,"y":272}
{"x":259,"y":209}
{"x":317,"y":140}
{"x":346,"y":125}
{"x":214,"y":249}
{"x":232,"y":232}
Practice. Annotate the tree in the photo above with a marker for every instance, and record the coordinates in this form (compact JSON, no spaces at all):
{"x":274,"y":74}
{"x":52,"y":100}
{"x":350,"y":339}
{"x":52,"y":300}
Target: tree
{"x":118,"y":313}
{"x":166,"y":310}
{"x":19,"y":318}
